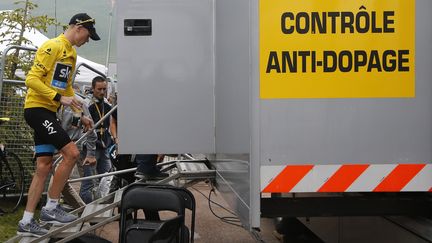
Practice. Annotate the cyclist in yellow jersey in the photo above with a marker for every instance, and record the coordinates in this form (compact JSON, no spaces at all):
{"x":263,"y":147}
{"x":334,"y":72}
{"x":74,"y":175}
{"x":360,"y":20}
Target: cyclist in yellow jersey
{"x":49,"y":84}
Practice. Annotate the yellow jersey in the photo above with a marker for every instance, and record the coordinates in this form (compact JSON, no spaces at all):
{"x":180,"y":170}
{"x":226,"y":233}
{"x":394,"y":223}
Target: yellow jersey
{"x":51,"y":74}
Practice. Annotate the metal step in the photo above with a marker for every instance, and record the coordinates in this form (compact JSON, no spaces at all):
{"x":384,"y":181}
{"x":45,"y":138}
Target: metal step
{"x":89,"y":209}
{"x":194,"y":170}
{"x":101,"y":211}
{"x":118,"y":195}
{"x":62,"y":234}
{"x":70,"y":231}
{"x":93,"y":212}
{"x":27,"y":240}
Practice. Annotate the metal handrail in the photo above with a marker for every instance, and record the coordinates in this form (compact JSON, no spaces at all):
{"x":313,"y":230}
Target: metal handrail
{"x":87,"y":66}
{"x":3,"y":60}
{"x":128,"y":170}
{"x":107,"y":115}
{"x":14,"y":81}
{"x":102,"y":175}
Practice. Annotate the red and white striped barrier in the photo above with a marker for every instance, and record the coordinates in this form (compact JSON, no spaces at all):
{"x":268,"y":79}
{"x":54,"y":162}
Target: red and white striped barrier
{"x":346,"y":178}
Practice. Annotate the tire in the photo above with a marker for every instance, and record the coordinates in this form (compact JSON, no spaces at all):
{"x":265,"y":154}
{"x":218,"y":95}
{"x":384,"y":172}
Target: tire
{"x":11,"y":183}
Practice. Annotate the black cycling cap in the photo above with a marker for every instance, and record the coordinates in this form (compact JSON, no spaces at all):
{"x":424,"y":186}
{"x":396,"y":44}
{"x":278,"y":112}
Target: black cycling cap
{"x":87,"y":22}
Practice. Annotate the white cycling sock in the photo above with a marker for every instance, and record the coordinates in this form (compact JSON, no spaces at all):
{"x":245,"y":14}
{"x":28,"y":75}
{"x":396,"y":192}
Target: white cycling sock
{"x":27,"y":217}
{"x":51,"y":203}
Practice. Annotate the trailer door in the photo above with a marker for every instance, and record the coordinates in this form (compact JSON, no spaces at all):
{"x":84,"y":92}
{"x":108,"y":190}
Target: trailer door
{"x":165,"y":76}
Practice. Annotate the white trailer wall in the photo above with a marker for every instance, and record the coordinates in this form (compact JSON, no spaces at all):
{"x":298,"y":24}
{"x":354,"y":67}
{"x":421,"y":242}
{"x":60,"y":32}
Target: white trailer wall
{"x":193,"y":86}
{"x":232,"y":97}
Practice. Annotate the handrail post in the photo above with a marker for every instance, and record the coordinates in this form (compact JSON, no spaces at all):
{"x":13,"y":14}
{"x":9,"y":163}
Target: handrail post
{"x":3,"y":60}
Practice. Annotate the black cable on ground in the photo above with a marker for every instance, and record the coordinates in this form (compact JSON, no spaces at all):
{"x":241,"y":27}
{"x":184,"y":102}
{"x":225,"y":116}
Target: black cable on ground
{"x":227,"y":219}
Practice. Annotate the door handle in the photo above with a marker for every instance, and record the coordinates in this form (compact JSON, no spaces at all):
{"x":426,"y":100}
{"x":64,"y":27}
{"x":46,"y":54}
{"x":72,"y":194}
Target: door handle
{"x":137,"y":27}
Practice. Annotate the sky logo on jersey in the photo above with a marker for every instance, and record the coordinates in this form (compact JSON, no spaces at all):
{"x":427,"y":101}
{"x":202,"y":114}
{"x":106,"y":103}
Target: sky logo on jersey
{"x":61,"y":75}
{"x":48,"y":125}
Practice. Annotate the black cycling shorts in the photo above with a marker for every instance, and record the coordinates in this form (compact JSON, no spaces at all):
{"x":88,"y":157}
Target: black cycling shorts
{"x":48,"y":133}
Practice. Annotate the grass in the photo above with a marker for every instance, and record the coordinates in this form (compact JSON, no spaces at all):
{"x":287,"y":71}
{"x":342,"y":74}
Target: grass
{"x":8,"y":224}
{"x":9,"y":221}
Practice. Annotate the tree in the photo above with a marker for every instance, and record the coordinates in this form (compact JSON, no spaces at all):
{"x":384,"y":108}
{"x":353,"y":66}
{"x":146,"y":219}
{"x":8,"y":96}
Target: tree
{"x":16,"y":22}
{"x":16,"y":134}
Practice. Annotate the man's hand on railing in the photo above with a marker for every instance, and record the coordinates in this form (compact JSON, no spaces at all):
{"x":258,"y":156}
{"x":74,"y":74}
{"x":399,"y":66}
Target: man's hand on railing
{"x":87,"y":123}
{"x":89,"y":160}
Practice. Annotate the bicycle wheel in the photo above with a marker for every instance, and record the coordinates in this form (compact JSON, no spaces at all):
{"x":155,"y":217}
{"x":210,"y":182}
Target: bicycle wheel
{"x":11,"y":182}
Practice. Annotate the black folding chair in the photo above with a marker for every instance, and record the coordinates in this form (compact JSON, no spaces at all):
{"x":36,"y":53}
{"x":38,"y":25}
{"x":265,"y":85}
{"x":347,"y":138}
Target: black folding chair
{"x":189,"y":203}
{"x":152,"y":200}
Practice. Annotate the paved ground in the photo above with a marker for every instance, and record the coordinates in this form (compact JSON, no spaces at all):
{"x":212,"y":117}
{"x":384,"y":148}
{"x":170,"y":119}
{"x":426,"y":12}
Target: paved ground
{"x":208,"y":227}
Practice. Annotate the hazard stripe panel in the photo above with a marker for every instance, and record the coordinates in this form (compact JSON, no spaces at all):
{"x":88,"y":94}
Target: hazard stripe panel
{"x":343,"y":178}
{"x":417,"y":183}
{"x":313,"y":180}
{"x":288,"y":178}
{"x":399,"y":177}
{"x":346,"y":178}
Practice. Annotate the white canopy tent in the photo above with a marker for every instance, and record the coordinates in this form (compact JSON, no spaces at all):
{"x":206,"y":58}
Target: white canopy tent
{"x":37,"y":38}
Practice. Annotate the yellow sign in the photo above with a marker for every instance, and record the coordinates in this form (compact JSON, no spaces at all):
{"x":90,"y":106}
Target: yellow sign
{"x":337,"y":49}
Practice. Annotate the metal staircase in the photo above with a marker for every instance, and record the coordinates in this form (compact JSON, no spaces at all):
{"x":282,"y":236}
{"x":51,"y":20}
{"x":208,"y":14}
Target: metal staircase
{"x":182,"y":173}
